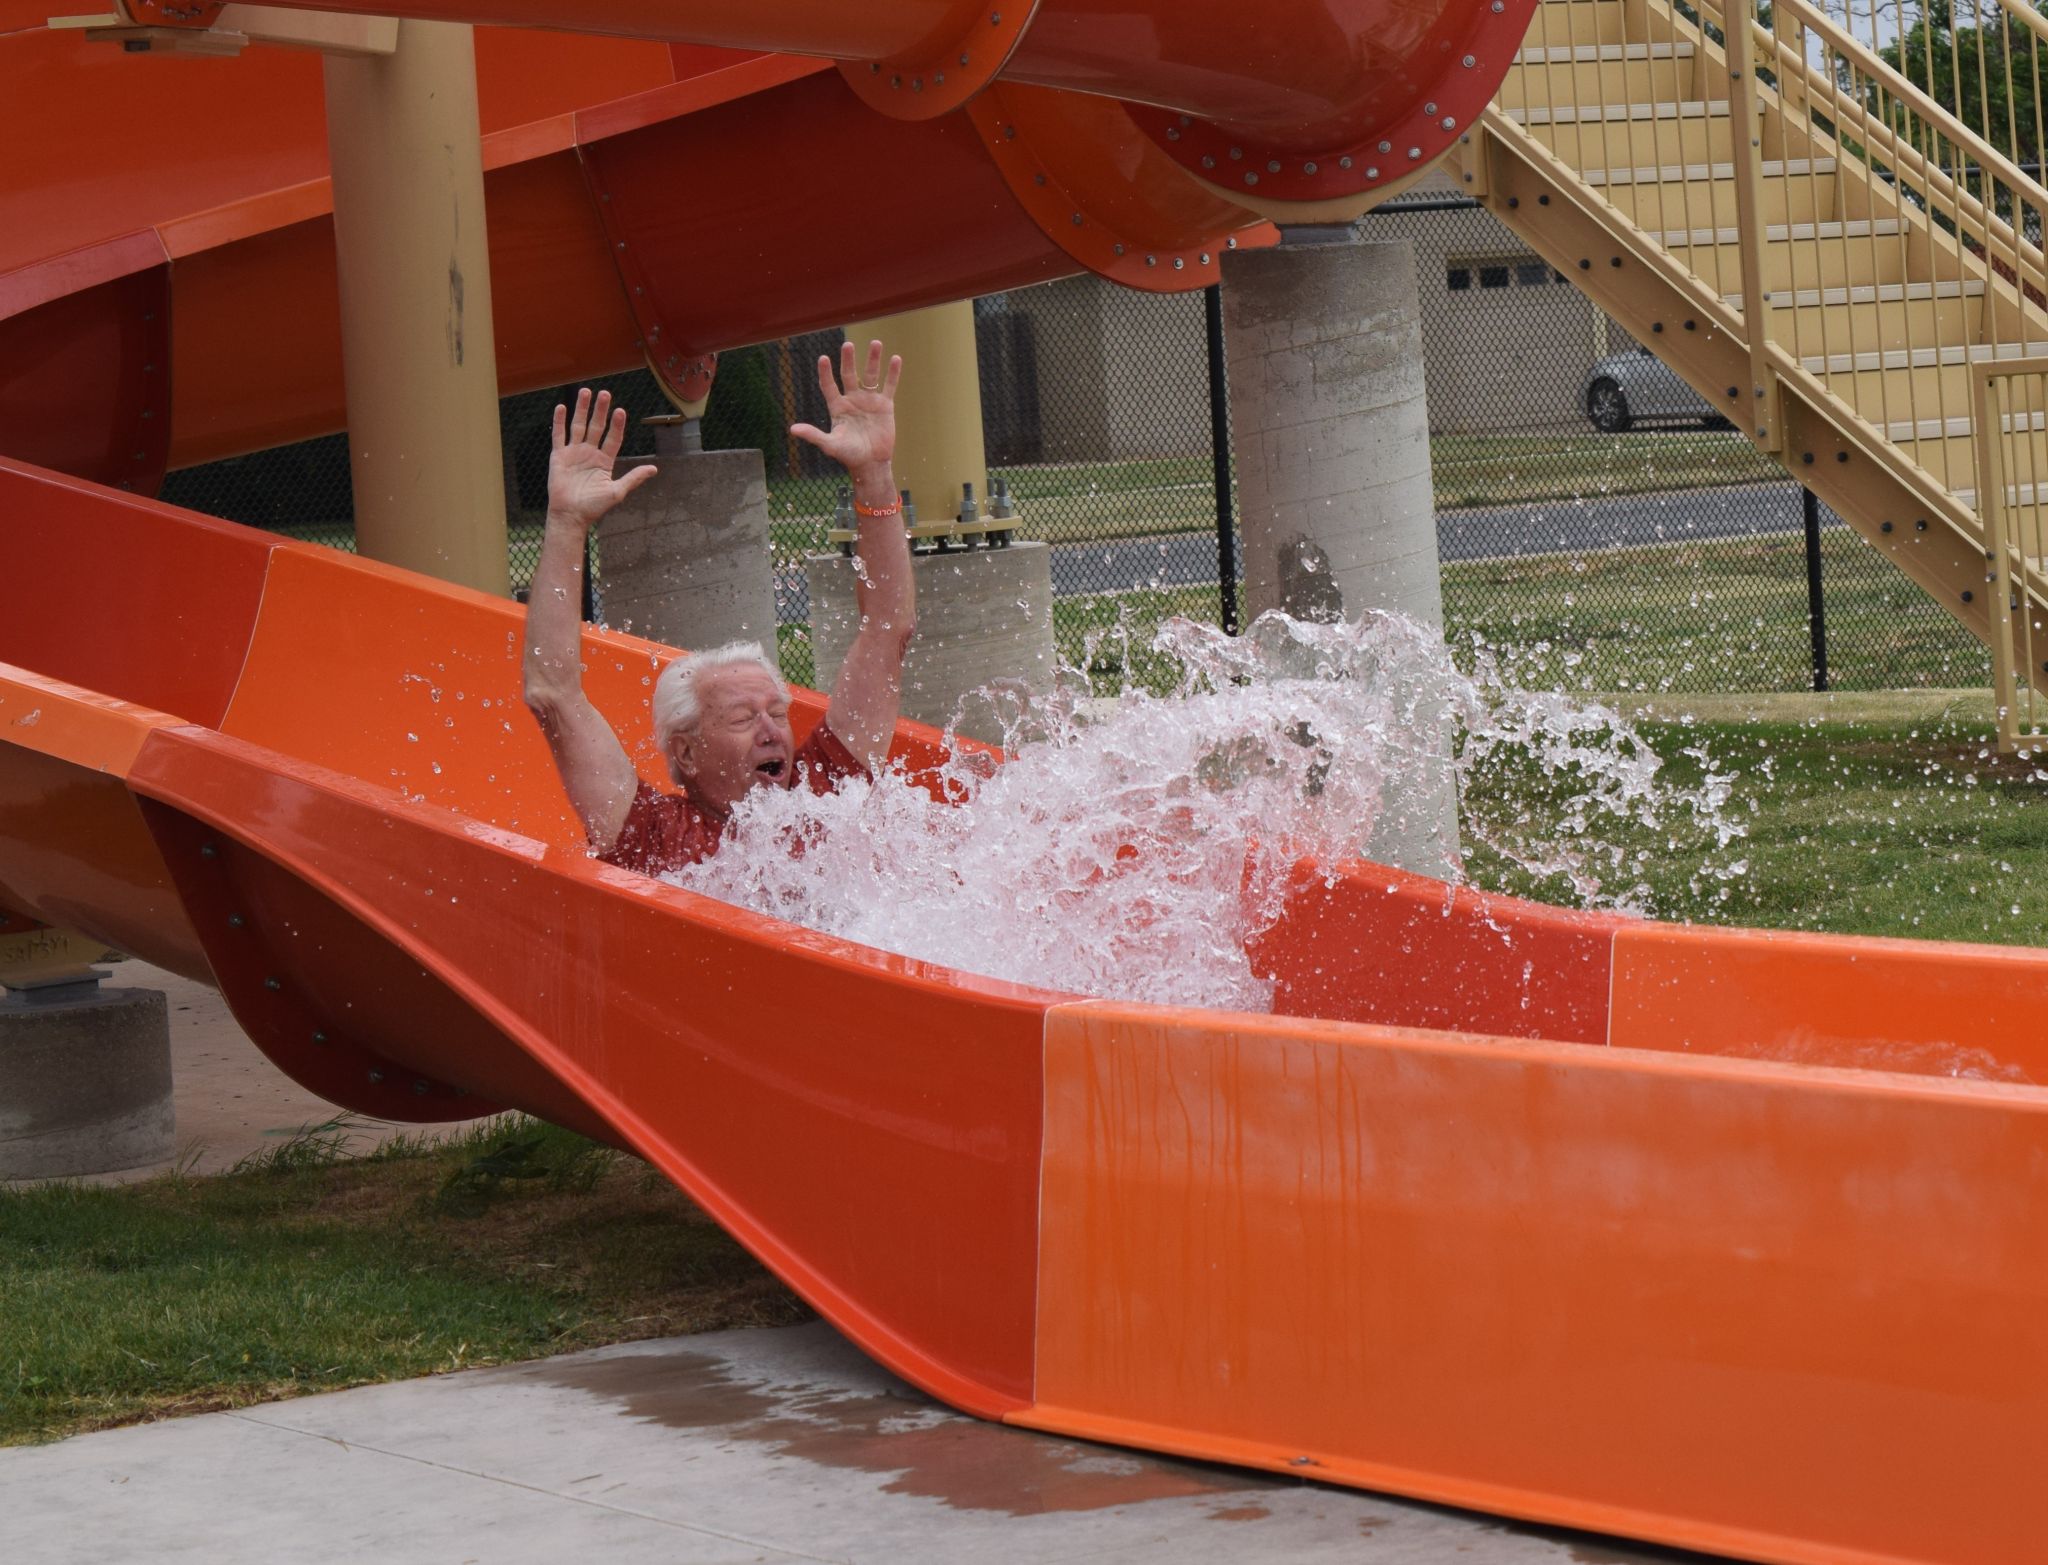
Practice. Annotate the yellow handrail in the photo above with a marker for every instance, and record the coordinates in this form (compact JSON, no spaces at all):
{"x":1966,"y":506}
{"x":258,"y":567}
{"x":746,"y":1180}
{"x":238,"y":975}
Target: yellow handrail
{"x":2001,"y":499}
{"x":1874,"y":67}
{"x":1747,"y":152}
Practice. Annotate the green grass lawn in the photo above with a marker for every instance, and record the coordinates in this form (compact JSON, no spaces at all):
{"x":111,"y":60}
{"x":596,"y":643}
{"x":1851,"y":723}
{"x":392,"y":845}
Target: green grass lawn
{"x":1912,"y":829}
{"x":1079,"y":502}
{"x":1109,"y":636}
{"x":1568,"y":463}
{"x":1722,"y":614}
{"x":1727,"y":614}
{"x":793,"y":652}
{"x":1084,"y":502}
{"x":185,"y":1295}
{"x":1095,"y":634}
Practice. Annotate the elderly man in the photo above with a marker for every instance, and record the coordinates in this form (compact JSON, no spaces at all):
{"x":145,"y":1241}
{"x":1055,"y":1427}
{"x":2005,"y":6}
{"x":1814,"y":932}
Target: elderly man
{"x":721,"y":717}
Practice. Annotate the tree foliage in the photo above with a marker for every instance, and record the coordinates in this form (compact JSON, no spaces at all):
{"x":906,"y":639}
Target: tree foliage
{"x":1990,"y":76}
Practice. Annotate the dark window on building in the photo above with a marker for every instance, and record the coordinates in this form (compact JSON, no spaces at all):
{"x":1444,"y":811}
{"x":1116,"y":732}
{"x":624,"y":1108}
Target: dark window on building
{"x":1505,"y":271}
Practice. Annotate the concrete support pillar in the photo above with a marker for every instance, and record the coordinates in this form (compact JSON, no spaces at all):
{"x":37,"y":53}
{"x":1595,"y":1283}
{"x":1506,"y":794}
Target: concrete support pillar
{"x":85,"y":1080}
{"x":982,"y":615}
{"x":938,"y":407}
{"x":1336,"y":510}
{"x":685,"y":559}
{"x":418,"y":354}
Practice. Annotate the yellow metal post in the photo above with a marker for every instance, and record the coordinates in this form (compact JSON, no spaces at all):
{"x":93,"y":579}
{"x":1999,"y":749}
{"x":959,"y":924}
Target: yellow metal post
{"x":1991,"y":502}
{"x":938,"y":408}
{"x":47,"y":955}
{"x":1746,"y":143}
{"x":419,"y":358}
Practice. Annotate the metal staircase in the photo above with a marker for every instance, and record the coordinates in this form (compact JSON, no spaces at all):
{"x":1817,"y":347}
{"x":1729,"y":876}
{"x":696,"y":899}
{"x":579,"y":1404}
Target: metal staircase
{"x":1827,"y":215}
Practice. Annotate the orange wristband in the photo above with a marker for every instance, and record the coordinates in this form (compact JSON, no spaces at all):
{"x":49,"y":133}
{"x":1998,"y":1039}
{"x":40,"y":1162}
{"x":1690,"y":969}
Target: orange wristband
{"x":893,"y":508}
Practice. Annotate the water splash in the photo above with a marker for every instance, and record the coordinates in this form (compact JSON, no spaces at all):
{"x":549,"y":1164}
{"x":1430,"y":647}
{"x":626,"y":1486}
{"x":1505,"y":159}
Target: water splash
{"x":1131,"y":847}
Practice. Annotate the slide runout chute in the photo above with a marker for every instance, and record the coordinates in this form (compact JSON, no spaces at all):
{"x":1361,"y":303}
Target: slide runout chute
{"x":1486,"y":1157}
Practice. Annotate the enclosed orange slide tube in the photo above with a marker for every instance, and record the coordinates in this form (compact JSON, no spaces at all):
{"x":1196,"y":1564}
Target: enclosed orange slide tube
{"x":167,"y":294}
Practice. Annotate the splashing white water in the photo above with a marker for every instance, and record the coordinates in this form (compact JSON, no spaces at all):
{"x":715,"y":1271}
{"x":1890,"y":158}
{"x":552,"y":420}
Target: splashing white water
{"x":1132,"y":849}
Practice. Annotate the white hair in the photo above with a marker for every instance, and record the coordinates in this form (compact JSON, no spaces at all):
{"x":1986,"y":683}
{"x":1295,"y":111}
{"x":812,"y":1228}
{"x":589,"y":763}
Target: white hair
{"x":677,"y":708}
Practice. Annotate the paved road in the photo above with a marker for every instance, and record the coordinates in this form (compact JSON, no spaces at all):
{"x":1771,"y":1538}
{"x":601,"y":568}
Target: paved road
{"x":1621,"y":521}
{"x":1474,"y":533}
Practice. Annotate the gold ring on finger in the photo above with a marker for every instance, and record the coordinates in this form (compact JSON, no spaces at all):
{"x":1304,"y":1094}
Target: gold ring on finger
{"x":871,"y":385}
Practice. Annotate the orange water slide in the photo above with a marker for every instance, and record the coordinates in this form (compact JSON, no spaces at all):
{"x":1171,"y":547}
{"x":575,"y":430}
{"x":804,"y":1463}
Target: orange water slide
{"x":1687,"y":1234}
{"x":1695,"y":1235}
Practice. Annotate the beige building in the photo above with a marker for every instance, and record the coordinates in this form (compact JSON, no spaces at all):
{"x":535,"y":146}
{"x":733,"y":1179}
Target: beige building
{"x":1112,"y":374}
{"x":1507,"y":341}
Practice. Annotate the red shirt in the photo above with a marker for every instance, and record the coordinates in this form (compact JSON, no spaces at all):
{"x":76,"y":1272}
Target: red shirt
{"x":665,"y":831}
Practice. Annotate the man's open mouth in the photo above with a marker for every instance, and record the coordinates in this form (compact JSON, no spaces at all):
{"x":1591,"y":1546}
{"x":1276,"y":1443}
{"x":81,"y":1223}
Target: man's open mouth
{"x":770,"y":768}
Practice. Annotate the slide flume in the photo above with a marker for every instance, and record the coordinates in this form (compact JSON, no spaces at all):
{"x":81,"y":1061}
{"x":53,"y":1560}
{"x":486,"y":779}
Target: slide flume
{"x":1675,"y":1232}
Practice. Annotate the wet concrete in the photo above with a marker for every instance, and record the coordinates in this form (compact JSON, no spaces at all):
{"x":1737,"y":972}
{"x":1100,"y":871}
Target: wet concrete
{"x":895,"y":1432}
{"x":734,"y":1446}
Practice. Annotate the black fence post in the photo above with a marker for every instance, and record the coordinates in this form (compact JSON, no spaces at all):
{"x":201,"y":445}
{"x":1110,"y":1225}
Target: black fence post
{"x":1219,"y":456}
{"x":1816,"y":608}
{"x":590,"y":576}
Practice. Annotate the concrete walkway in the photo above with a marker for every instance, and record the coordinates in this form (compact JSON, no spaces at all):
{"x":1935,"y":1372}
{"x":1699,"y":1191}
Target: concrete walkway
{"x":734,"y":1446}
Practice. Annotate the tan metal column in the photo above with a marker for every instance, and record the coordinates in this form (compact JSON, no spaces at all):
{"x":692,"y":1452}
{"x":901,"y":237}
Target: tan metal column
{"x":982,"y":614}
{"x":418,"y":354}
{"x":938,"y":407}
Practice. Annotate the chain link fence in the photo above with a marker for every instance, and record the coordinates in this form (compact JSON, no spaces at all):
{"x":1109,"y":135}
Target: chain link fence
{"x":1599,"y":528}
{"x":1096,"y":405}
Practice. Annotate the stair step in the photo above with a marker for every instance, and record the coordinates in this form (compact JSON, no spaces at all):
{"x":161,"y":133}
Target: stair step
{"x":1586,"y":21}
{"x":1921,"y":358}
{"x":1606,"y":70}
{"x":1595,"y":53}
{"x":1618,"y":113}
{"x":1945,"y":449}
{"x":1959,"y":427}
{"x":1672,"y":173}
{"x":1880,"y":293}
{"x":1659,"y":138}
{"x":2015,"y":494}
{"x":1782,"y":233}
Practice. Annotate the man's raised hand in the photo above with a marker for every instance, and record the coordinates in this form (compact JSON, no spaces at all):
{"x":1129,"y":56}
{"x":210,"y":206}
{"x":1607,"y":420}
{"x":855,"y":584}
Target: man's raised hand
{"x":862,"y":408}
{"x":586,"y":447}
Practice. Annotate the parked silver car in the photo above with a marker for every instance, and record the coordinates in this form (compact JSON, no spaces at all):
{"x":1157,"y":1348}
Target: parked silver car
{"x":1634,"y":388}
